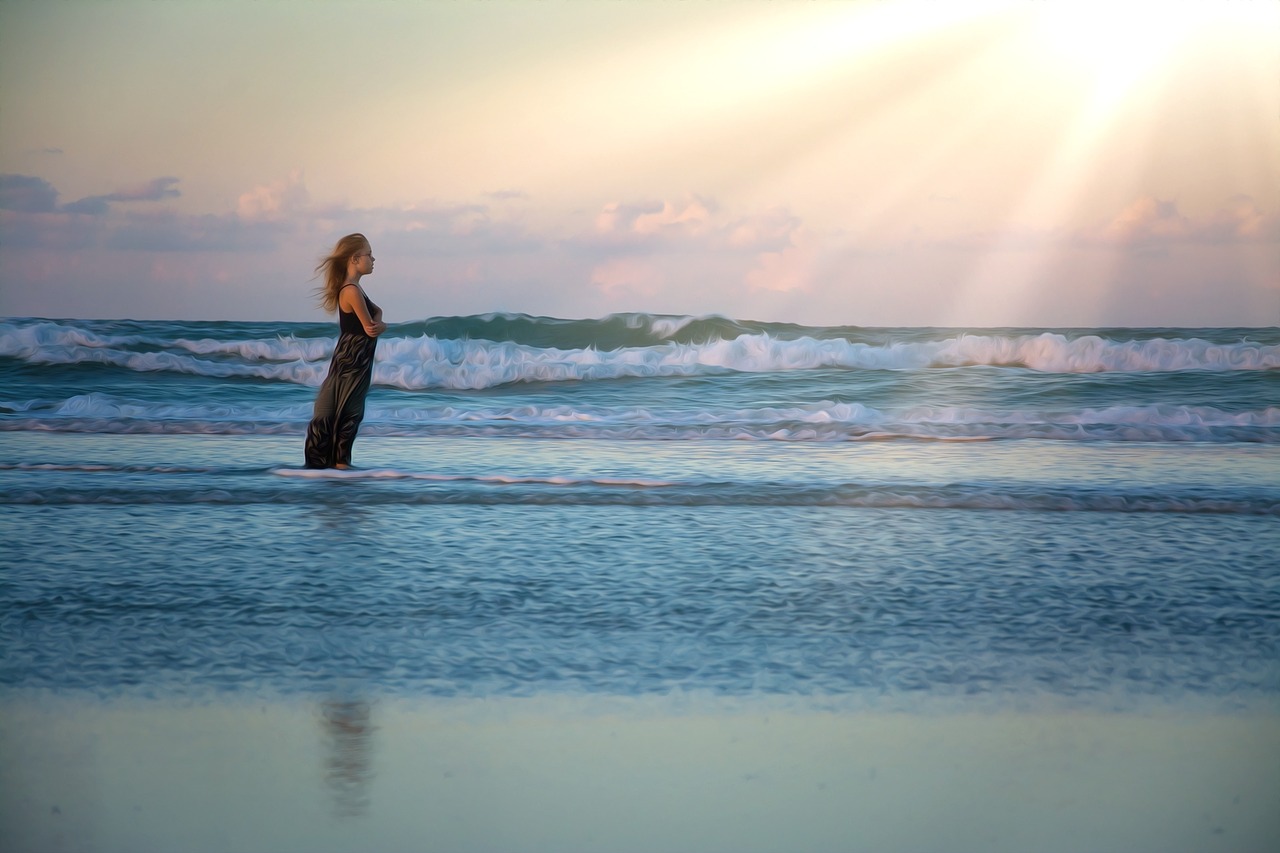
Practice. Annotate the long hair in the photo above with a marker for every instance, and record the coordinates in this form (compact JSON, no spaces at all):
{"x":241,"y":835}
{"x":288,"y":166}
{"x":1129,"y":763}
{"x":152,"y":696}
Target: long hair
{"x":334,"y":269}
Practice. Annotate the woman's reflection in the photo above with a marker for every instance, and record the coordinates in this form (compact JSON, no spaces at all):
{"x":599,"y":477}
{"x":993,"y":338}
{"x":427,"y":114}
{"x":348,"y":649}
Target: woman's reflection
{"x":348,"y":732}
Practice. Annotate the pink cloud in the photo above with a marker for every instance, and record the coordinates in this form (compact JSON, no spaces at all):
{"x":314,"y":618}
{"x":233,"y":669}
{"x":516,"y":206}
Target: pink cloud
{"x":1242,"y":218}
{"x":276,"y":200}
{"x":775,"y":228}
{"x":1146,"y":219}
{"x":689,"y":216}
{"x":1149,"y":221}
{"x":789,"y":269}
{"x":628,"y":276}
{"x":690,"y":221}
{"x":1145,"y":223}
{"x":607,"y":218}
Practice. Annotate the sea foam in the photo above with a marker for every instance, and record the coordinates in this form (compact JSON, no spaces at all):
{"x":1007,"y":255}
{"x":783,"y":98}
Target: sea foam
{"x":425,"y":362}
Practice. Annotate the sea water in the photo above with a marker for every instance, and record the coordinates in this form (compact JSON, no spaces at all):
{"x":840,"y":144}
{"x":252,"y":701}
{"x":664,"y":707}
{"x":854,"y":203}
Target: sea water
{"x":643,"y":507}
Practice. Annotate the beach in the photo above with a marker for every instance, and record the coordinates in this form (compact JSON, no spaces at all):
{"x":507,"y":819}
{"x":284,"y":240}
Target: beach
{"x":584,"y":773}
{"x":809,"y":427}
{"x":641,"y":584}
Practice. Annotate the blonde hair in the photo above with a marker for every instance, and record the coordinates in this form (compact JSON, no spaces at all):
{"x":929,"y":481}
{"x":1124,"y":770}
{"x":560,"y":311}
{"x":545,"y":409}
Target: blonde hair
{"x":334,"y":269}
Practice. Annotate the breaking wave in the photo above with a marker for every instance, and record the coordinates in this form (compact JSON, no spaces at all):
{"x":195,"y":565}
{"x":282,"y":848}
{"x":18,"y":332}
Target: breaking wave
{"x":423,"y":361}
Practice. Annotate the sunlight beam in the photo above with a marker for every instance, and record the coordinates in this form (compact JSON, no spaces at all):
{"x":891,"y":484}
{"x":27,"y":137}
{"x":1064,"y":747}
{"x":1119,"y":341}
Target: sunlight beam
{"x":1116,"y":53}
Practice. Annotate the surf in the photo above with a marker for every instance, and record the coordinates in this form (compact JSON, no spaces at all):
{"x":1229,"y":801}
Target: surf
{"x":445,"y":355}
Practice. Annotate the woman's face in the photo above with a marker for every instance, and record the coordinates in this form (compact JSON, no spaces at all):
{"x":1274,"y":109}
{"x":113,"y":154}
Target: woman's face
{"x":363,"y":260}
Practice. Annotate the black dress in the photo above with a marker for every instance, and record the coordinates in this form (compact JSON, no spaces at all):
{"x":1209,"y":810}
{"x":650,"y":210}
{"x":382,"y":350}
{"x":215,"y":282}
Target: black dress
{"x":340,"y":403}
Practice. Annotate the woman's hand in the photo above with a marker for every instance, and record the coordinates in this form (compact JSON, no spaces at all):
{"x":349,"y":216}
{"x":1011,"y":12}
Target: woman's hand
{"x":374,"y":328}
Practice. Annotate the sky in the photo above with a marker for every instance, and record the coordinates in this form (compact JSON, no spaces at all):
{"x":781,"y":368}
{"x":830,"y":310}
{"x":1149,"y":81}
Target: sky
{"x":877,"y":163}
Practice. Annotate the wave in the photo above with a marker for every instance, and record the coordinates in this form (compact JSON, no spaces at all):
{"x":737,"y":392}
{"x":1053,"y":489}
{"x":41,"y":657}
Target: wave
{"x":427,"y":363}
{"x":614,"y":331}
{"x":825,"y":420}
{"x":416,"y":362}
{"x":287,"y":359}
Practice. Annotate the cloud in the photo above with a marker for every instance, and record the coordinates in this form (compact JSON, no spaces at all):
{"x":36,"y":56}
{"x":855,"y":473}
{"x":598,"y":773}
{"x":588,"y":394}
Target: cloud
{"x":628,"y":276}
{"x":90,"y":206}
{"x":31,"y":217}
{"x":1144,"y":225}
{"x":774,"y":230}
{"x":789,"y":269}
{"x":30,"y":194}
{"x":268,"y":216}
{"x":689,"y":224}
{"x":275,"y":201}
{"x":682,"y":251}
{"x":154,"y":190}
{"x":1145,"y":220}
{"x":445,"y":230}
{"x":63,"y":232}
{"x":690,"y":249}
{"x":689,"y":216}
{"x":685,"y":254}
{"x":167,"y":232}
{"x":27,"y":194}
{"x":1242,"y":219}
{"x":1151,"y":222}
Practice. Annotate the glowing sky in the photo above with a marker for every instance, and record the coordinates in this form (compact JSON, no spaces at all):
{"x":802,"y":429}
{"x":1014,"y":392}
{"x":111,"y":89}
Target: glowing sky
{"x":871,"y":163}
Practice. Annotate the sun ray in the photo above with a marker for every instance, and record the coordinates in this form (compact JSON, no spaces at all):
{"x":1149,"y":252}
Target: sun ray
{"x":1114,"y":52}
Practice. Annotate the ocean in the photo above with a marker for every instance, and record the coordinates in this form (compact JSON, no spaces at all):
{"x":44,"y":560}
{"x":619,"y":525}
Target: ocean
{"x":695,"y":512}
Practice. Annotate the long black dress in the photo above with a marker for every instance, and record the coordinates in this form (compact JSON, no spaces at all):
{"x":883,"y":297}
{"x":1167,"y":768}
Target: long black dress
{"x":340,"y":403}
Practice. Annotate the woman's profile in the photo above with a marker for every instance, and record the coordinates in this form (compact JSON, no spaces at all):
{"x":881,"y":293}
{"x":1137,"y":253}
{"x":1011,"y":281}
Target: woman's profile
{"x":340,"y":404}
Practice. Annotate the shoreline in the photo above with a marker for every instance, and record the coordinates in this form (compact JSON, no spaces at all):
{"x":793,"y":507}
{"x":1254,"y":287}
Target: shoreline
{"x":599,"y":773}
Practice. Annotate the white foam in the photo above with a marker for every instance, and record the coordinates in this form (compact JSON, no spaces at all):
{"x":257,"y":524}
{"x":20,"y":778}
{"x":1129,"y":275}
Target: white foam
{"x":668,"y":327}
{"x":491,"y":479}
{"x":1056,"y":353}
{"x":341,"y":473}
{"x":52,"y":343}
{"x":424,"y":363}
{"x":281,"y":349}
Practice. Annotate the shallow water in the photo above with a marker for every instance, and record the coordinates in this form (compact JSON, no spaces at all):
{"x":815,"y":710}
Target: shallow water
{"x":469,"y":566}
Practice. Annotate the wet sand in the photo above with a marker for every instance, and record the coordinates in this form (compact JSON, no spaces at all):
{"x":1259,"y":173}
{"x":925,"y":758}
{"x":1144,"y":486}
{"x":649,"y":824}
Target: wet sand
{"x":611,"y":774}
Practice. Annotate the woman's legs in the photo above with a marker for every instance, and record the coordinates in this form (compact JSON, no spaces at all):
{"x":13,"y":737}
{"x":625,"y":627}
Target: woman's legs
{"x":335,"y":421}
{"x":318,"y":451}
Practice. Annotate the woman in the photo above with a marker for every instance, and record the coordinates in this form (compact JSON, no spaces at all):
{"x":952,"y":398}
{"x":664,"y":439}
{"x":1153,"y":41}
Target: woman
{"x":340,"y":404}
